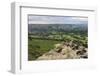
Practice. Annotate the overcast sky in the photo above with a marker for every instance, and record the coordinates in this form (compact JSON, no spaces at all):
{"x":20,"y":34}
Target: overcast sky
{"x":35,"y":19}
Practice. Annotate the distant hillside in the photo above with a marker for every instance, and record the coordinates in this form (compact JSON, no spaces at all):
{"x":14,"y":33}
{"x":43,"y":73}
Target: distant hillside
{"x":57,"y":27}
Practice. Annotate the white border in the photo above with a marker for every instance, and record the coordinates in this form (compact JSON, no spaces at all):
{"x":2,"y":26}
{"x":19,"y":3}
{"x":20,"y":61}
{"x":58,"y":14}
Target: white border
{"x":19,"y":63}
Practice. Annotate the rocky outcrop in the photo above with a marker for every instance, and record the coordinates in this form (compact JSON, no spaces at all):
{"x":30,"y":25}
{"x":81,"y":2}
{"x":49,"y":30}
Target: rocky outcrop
{"x":65,"y":51}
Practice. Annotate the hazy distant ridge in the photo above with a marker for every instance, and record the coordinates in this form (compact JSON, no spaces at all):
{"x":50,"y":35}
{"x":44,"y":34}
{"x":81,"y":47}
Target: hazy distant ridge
{"x":59,"y":27}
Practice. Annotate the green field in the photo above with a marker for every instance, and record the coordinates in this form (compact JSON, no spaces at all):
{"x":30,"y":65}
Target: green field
{"x":37,"y":47}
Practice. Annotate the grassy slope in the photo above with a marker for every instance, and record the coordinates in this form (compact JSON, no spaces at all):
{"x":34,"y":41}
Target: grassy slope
{"x":36,"y":47}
